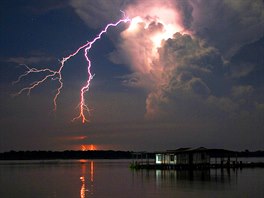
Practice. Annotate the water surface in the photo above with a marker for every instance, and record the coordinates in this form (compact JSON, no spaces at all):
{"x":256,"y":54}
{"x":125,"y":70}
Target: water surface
{"x":113,"y":178}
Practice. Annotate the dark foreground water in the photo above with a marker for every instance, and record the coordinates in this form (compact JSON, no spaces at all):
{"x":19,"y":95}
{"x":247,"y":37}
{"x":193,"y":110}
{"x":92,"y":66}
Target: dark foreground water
{"x":113,"y":178}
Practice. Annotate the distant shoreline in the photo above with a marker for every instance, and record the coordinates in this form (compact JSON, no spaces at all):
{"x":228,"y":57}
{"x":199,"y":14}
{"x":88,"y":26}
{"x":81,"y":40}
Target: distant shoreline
{"x":95,"y":154}
{"x":57,"y":155}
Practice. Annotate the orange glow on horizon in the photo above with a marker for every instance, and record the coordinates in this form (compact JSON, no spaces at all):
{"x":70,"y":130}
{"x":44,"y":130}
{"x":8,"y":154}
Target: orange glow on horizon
{"x":90,"y":147}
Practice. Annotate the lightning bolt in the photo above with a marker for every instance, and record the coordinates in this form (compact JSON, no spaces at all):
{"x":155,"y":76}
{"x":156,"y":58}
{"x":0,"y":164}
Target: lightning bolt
{"x":50,"y":74}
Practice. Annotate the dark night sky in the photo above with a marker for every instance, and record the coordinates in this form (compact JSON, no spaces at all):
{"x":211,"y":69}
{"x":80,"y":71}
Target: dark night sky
{"x":206,"y":87}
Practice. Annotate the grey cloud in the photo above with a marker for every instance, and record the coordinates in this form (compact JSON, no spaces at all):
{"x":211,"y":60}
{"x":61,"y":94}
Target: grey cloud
{"x":247,"y":65}
{"x":228,"y":24}
{"x":45,"y":6}
{"x":238,"y":91}
{"x":29,"y":60}
{"x":185,"y":9}
{"x":138,"y":80}
{"x":197,"y":88}
{"x":155,"y":27}
{"x":186,"y":58}
{"x":97,"y":13}
{"x":241,"y":69}
{"x":196,"y":85}
{"x":260,"y":106}
{"x":190,"y":69}
{"x":243,"y":95}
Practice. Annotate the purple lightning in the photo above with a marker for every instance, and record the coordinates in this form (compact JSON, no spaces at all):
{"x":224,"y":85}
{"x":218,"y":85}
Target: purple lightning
{"x":57,"y":74}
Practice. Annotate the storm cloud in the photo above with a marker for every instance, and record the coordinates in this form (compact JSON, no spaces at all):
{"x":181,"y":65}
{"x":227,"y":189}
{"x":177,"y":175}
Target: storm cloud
{"x":201,"y":74}
{"x":182,"y":73}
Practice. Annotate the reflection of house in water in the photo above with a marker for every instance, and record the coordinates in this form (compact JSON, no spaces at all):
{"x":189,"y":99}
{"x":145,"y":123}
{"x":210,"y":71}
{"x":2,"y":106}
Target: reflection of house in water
{"x":184,"y":156}
{"x":200,"y":176}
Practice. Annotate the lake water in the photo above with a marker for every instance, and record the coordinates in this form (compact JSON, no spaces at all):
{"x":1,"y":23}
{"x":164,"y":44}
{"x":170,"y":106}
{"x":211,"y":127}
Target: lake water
{"x":113,"y":178}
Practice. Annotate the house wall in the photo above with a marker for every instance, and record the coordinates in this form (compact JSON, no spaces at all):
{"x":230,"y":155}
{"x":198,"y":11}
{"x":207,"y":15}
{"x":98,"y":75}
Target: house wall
{"x":183,"y":158}
{"x":166,"y":159}
{"x":170,"y":159}
{"x":201,"y":158}
{"x":196,"y":158}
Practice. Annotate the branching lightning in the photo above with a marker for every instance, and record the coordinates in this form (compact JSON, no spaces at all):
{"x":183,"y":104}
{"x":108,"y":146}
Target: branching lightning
{"x":50,"y":74}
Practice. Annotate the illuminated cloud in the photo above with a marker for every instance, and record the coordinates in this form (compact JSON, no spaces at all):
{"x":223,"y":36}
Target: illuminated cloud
{"x":152,"y":22}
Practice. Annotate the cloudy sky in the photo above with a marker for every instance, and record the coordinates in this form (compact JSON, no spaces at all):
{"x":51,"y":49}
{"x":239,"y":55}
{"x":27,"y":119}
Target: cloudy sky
{"x":180,"y":73}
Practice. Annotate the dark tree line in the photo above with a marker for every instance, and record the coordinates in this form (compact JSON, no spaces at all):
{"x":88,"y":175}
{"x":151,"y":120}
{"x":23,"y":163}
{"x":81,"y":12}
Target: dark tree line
{"x":40,"y":155}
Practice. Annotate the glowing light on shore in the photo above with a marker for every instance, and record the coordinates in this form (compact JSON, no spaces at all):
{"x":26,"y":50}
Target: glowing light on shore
{"x":90,"y":147}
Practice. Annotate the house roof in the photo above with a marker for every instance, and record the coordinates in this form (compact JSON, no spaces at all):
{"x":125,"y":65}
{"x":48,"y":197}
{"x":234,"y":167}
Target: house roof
{"x":184,"y":150}
{"x":211,"y":152}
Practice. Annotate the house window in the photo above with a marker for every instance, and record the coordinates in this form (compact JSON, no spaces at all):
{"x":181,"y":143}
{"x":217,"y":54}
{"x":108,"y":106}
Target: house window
{"x":171,"y":158}
{"x":159,"y":158}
